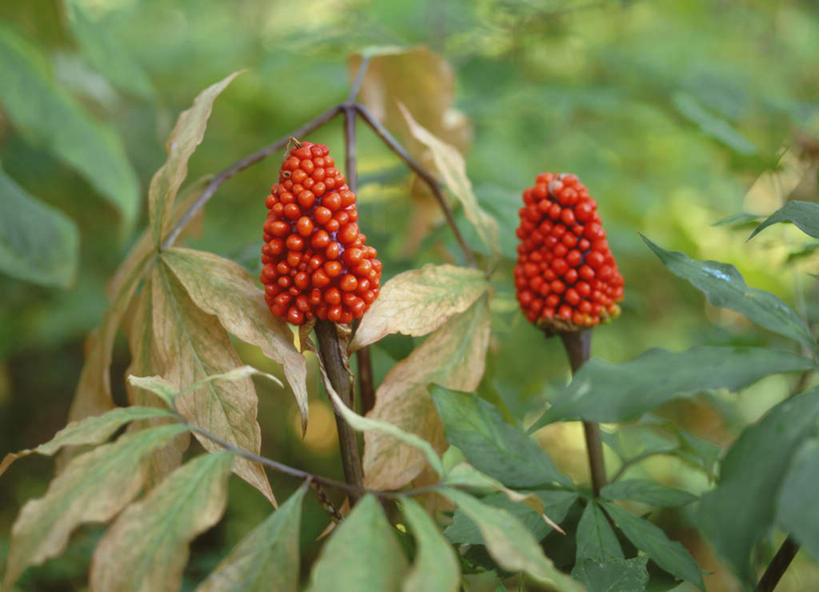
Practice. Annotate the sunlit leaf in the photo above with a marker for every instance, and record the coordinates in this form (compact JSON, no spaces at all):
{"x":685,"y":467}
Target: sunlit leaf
{"x":796,"y":512}
{"x":805,"y":214}
{"x":452,"y":167}
{"x":361,"y":554}
{"x":222,"y":288}
{"x":191,"y":345}
{"x":186,"y":135}
{"x":105,"y":54}
{"x":94,"y":487}
{"x":740,"y":511}
{"x":606,"y":392}
{"x":595,"y":537}
{"x":510,"y":543}
{"x":166,"y":390}
{"x":436,"y":567}
{"x":48,"y":117}
{"x":91,"y":430}
{"x":490,"y":444}
{"x":723,"y":286}
{"x":647,"y":492}
{"x":452,"y":356}
{"x":267,"y":558}
{"x":37,"y":242}
{"x":556,"y":505}
{"x":669,"y":555}
{"x":146,"y":549}
{"x":419,"y":301}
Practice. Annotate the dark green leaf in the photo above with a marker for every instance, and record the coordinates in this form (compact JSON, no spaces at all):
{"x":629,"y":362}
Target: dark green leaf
{"x":595,"y":537}
{"x":48,"y":117}
{"x":741,"y":510}
{"x":436,"y":566}
{"x":37,"y":243}
{"x":491,"y":445}
{"x":267,"y":558}
{"x":612,"y":575}
{"x":556,"y":504}
{"x":647,"y":492}
{"x":797,"y":512}
{"x":805,"y":214}
{"x":723,"y":286}
{"x":510,"y":543}
{"x":669,"y":555}
{"x":362,"y":554}
{"x":602,"y":391}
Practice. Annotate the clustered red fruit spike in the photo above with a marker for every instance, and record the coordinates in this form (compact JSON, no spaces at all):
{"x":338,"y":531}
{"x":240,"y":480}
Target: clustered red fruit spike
{"x":566,"y":277}
{"x":316,"y":262}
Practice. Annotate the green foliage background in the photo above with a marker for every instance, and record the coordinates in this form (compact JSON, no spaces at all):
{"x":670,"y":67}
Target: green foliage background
{"x":667,"y":111}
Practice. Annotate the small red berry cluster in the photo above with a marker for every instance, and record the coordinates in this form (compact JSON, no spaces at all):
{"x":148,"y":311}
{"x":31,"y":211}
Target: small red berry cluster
{"x":316,"y":262}
{"x":566,"y":277}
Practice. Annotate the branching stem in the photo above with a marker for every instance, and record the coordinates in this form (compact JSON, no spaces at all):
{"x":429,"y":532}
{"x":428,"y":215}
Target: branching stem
{"x":777,"y":566}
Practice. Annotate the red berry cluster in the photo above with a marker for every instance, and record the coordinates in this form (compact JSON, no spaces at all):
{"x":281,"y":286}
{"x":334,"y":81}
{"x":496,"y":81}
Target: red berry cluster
{"x":566,"y":277}
{"x":316,"y":262}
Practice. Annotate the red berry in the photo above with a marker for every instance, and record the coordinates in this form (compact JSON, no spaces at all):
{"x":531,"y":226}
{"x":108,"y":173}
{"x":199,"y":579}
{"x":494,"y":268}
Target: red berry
{"x":566,"y":277}
{"x":316,"y":263}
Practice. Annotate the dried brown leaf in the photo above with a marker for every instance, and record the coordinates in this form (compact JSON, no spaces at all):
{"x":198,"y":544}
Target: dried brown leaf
{"x":223,"y":288}
{"x":419,"y":301}
{"x":423,"y":81}
{"x":145,"y":362}
{"x":453,"y":356}
{"x":191,"y":345}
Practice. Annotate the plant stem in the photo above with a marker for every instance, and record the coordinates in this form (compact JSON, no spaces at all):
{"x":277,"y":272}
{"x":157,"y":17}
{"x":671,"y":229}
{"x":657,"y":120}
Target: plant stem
{"x":242,"y":164}
{"x":776,"y":568}
{"x":425,"y":175}
{"x":334,"y":355}
{"x":578,"y":349}
{"x":366,"y":389}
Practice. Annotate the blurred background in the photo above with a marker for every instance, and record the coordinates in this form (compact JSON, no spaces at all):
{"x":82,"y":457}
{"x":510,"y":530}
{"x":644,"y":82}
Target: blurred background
{"x":675,"y":114}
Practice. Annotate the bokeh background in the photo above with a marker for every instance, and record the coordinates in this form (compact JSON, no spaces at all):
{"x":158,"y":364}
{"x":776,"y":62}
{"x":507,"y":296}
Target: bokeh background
{"x":675,"y":114}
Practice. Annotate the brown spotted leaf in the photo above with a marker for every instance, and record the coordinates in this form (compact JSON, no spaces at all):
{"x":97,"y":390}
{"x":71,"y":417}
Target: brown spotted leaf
{"x":223,"y":288}
{"x":419,"y":301}
{"x":452,"y":356}
{"x":191,"y":345}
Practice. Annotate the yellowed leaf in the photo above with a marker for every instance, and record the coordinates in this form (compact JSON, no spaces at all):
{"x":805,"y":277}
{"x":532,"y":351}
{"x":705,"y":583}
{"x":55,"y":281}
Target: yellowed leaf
{"x":147,"y":547}
{"x":453,"y":356}
{"x":191,"y":345}
{"x":223,"y":288}
{"x":145,"y":362}
{"x":419,"y":301}
{"x":423,"y":81}
{"x":94,"y":487}
{"x":186,"y":135}
{"x":452,"y":167}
